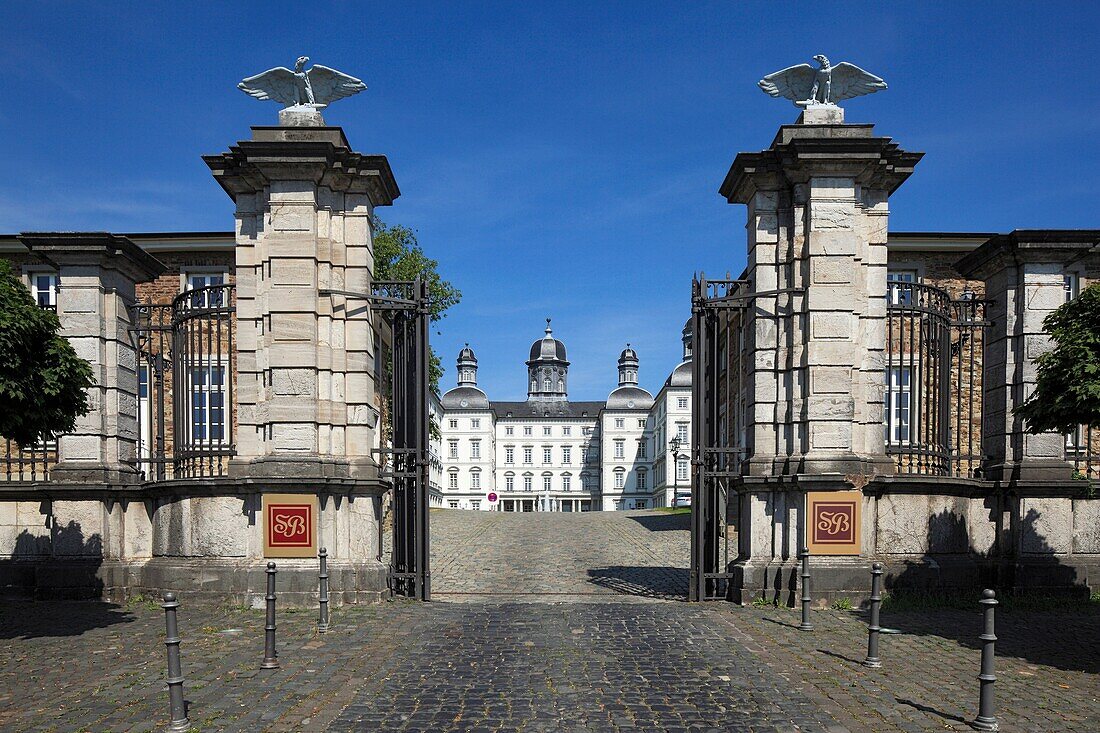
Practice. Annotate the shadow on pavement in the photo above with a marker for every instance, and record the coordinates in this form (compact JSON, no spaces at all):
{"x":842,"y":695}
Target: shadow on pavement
{"x":30,"y":620}
{"x":663,"y":522}
{"x":667,"y":583}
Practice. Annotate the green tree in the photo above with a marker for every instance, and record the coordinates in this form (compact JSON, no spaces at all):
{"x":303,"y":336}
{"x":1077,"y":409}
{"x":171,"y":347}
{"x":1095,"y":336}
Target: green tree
{"x":42,"y":380}
{"x":1067,"y":393}
{"x":398,"y":256}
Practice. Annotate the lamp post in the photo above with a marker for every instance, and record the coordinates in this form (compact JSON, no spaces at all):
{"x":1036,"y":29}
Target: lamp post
{"x":674,"y":448}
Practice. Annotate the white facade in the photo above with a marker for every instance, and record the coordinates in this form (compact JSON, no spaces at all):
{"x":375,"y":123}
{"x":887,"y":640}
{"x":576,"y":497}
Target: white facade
{"x":549,"y":453}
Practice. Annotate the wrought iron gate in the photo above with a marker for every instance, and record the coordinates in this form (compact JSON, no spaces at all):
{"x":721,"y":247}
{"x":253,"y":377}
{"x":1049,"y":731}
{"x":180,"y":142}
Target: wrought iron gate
{"x":406,"y":463}
{"x":717,"y":437}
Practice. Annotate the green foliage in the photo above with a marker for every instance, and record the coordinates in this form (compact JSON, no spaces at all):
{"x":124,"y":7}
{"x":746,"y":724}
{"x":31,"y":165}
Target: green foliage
{"x":762,"y":602}
{"x":1067,"y":392}
{"x":842,"y":604}
{"x":42,"y":380}
{"x":398,"y":256}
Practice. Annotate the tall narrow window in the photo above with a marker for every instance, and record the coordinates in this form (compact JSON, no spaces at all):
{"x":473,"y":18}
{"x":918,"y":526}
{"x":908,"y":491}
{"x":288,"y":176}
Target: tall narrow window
{"x":546,"y":483}
{"x":452,"y":480}
{"x":475,"y":449}
{"x":619,"y":423}
{"x":620,"y":478}
{"x":641,"y":448}
{"x":509,"y":455}
{"x":527,"y":482}
{"x":898,"y":405}
{"x":1071,"y":284}
{"x":566,"y":455}
{"x":475,"y":480}
{"x":452,"y":448}
{"x":682,"y":432}
{"x":682,"y":469}
{"x":620,"y":448}
{"x":208,"y":403}
{"x":527,"y":455}
{"x":509,"y":483}
{"x":546,"y":457}
{"x":475,"y":423}
{"x":566,"y":482}
{"x":641,"y":479}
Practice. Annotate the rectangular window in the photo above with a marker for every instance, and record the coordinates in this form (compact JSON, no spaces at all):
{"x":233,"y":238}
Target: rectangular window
{"x":682,"y":431}
{"x":642,"y":449}
{"x":640,"y":504}
{"x":1071,"y":283}
{"x":453,"y":503}
{"x":475,"y":423}
{"x":509,"y":455}
{"x":899,"y":405}
{"x":526,"y":483}
{"x":899,"y":286}
{"x":475,"y":449}
{"x":44,"y":289}
{"x":527,"y":455}
{"x":587,"y":431}
{"x":208,"y":392}
{"x":620,"y":447}
{"x":546,"y":429}
{"x":566,"y":483}
{"x":453,"y":424}
{"x":475,"y":480}
{"x":619,"y":423}
{"x":211,"y":298}
{"x":452,"y":448}
{"x":475,"y":505}
{"x":546,"y":483}
{"x":453,"y":481}
{"x":566,"y":430}
{"x":509,"y":483}
{"x":641,"y":480}
{"x":526,"y":429}
{"x":681,"y":403}
{"x":566,"y":455}
{"x":641,"y":423}
{"x":682,"y":469}
{"x":508,"y":430}
{"x":620,"y":479}
{"x":546,"y":458}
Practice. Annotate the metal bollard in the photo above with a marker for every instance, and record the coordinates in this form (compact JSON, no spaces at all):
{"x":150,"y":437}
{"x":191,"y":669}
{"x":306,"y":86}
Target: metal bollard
{"x":986,"y":720}
{"x":804,"y":553}
{"x":322,"y":624}
{"x":271,"y":657}
{"x":175,"y":671}
{"x":873,"y":628}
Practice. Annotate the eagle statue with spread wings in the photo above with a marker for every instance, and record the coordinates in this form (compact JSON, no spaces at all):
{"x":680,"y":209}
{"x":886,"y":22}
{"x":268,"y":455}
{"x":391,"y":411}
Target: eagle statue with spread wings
{"x":804,"y":85}
{"x":314,"y":88}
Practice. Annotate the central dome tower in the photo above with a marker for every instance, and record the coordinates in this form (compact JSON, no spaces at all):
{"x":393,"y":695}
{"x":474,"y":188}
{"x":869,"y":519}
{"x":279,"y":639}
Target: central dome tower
{"x":547,"y":369}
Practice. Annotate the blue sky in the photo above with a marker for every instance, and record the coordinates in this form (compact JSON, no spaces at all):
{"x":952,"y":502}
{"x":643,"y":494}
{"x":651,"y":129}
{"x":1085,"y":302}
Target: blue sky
{"x":558,"y":159}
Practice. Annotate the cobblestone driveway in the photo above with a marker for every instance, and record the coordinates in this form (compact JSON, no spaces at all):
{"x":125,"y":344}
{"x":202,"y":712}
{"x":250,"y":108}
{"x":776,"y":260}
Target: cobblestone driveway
{"x":591,"y":556}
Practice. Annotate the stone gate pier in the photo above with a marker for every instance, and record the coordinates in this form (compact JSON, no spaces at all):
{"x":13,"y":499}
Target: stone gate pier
{"x":867,"y":378}
{"x":236,"y":417}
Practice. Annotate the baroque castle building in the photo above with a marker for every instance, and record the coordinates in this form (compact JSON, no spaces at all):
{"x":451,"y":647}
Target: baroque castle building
{"x":550,"y":453}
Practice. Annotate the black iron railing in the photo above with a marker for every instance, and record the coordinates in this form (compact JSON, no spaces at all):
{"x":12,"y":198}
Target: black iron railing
{"x":932,"y":391}
{"x":186,"y":373}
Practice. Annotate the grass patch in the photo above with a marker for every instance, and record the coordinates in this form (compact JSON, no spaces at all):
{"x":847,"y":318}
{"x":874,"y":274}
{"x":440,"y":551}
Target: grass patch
{"x":674,"y":510}
{"x":842,"y":604}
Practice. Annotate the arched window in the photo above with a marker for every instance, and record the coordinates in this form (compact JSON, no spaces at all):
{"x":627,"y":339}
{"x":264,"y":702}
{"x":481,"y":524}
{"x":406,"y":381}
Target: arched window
{"x":561,"y":385}
{"x":452,"y":479}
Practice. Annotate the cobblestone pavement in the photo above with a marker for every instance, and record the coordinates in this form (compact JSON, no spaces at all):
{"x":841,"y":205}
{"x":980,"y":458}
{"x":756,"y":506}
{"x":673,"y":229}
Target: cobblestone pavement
{"x":589,"y":556}
{"x":1048,"y":667}
{"x":605,"y":650}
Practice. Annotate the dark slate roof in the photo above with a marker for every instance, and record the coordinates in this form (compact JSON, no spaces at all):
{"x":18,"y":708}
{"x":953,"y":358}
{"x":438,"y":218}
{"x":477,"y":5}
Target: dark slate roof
{"x":474,"y":397}
{"x":681,"y":376}
{"x":629,"y":398}
{"x":548,"y":348}
{"x":540,"y":408}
